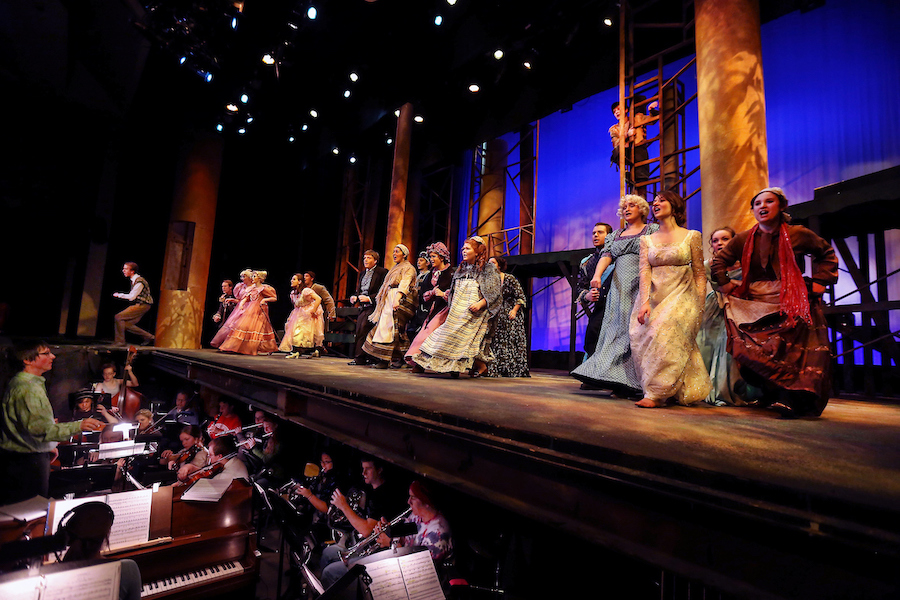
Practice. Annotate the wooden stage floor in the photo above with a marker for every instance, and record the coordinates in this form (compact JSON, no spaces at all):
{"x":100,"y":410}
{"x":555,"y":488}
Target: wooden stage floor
{"x":727,"y":472}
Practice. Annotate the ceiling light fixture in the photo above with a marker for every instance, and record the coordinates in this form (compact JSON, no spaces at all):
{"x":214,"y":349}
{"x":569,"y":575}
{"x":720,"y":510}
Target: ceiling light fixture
{"x":418,"y":118}
{"x":474,"y":88}
{"x":498,"y":53}
{"x":268,"y":59}
{"x":438,"y":20}
{"x":314,"y":113}
{"x":354,"y":77}
{"x":231,"y":107}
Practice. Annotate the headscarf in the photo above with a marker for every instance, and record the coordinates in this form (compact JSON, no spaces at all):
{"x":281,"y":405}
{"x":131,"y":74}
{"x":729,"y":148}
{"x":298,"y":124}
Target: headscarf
{"x":441,"y":250}
{"x":403,"y":249}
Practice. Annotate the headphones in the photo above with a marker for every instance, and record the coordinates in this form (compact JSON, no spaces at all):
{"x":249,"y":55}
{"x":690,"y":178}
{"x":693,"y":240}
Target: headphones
{"x":88,"y":521}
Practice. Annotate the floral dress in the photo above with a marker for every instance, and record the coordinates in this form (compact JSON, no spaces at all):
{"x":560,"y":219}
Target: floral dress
{"x":509,"y":345}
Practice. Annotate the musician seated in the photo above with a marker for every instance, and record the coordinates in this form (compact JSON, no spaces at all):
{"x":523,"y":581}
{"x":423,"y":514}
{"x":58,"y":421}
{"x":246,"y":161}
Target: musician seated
{"x":87,"y":530}
{"x":184,"y":411}
{"x":262,"y":453}
{"x":226,"y":422}
{"x":385,"y":498}
{"x":88,"y":407}
{"x":111,"y":385}
{"x":191,"y":457}
{"x":318,"y":496}
{"x":223,"y":451}
{"x":432,"y":532}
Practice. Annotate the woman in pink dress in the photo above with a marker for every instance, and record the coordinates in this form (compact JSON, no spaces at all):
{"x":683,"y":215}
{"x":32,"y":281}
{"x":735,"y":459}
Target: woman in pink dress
{"x":304,"y":331}
{"x":252,"y":333}
{"x":239,"y":290}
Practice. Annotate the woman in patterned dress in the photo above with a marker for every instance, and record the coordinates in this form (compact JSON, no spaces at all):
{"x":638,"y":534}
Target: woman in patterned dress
{"x":462,"y":343}
{"x":252,"y":333}
{"x":394,"y":306}
{"x":666,"y":315}
{"x":611,"y":365}
{"x":509,"y":345}
{"x":239,"y":290}
{"x":304,"y":330}
{"x":434,"y":292}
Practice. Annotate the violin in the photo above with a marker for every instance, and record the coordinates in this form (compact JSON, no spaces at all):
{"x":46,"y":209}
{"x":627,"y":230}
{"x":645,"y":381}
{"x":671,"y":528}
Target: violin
{"x":183,"y":457}
{"x":209,"y":471}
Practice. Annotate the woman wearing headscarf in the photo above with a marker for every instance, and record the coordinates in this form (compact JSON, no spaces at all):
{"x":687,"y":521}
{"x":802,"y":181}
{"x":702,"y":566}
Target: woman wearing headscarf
{"x":394,"y":306}
{"x":463,"y":342}
{"x":433,"y":295}
{"x":776,"y":328}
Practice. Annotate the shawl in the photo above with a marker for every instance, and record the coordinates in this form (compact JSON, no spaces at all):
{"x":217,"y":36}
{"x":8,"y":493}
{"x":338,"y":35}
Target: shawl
{"x":794,"y":300}
{"x":401,"y":272}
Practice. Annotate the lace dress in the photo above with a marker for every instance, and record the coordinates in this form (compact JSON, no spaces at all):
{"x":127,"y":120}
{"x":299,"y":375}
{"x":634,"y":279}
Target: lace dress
{"x":664,"y":348}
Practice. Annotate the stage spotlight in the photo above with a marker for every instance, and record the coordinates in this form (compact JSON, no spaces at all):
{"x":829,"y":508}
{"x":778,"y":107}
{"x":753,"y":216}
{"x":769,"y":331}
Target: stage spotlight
{"x":527,"y":65}
{"x":352,"y":159}
{"x":182,"y":60}
{"x":418,"y":118}
{"x":608,"y":22}
{"x":438,"y":20}
{"x":232,"y":107}
{"x":304,"y":127}
{"x":245,"y":98}
{"x":397,"y":113}
{"x":242,"y":130}
{"x":346,"y":93}
{"x":268,"y":59}
{"x":498,"y":53}
{"x":474,"y":88}
{"x":249,"y":119}
{"x":335,"y":151}
{"x":389,"y":141}
{"x":293,"y":25}
{"x":312,"y":13}
{"x":451,"y":2}
{"x":234,"y":23}
{"x":314,"y":113}
{"x":208,"y":77}
{"x":220,"y":127}
{"x":291,"y":139}
{"x":354,"y":77}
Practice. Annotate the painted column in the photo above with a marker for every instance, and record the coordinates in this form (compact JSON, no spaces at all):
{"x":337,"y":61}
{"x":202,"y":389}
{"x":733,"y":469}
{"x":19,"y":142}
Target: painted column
{"x":182,"y":296}
{"x":399,"y":183}
{"x":493,"y":195}
{"x":732,"y":110}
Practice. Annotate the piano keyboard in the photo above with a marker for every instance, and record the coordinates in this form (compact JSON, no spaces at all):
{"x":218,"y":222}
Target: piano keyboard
{"x":177,"y":582}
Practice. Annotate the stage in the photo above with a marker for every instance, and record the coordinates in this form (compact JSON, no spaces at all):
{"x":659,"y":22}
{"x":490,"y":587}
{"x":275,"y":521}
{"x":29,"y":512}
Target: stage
{"x":735,"y":497}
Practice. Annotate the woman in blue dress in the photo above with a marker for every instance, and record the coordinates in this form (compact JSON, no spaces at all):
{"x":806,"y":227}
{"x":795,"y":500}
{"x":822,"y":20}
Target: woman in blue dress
{"x":611,"y":366}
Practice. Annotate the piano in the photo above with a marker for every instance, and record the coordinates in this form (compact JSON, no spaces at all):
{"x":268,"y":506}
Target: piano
{"x":212,"y":551}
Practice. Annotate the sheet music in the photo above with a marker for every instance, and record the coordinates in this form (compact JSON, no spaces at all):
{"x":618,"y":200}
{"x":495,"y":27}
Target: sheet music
{"x":409,"y":577}
{"x":98,"y":582}
{"x":27,"y":510}
{"x":64,"y":506}
{"x":22,"y":589}
{"x":207,"y":490}
{"x":132,"y":518}
{"x":420,"y":576}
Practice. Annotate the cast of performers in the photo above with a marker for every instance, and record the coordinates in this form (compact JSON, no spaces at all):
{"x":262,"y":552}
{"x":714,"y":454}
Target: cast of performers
{"x":28,"y":429}
{"x":434,"y":291}
{"x":593,"y":300}
{"x":611,"y":365}
{"x":509,"y":345}
{"x":368,"y":285}
{"x":237,"y":309}
{"x":139,"y":303}
{"x":304,"y":331}
{"x":776,"y":328}
{"x":394,"y":305}
{"x":252,"y":332}
{"x":728,"y":389}
{"x":227,"y":302}
{"x":423,"y":270}
{"x":463,"y":342}
{"x":667,"y":310}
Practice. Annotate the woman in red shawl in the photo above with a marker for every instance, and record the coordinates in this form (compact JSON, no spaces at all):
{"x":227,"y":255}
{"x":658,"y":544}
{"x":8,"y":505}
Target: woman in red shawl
{"x":776,"y":328}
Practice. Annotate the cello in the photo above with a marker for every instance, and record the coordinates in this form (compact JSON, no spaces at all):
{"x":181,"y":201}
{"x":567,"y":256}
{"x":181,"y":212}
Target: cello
{"x":127,"y":401}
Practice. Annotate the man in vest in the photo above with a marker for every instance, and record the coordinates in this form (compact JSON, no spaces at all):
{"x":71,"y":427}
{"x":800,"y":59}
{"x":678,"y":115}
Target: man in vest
{"x":139,"y":300}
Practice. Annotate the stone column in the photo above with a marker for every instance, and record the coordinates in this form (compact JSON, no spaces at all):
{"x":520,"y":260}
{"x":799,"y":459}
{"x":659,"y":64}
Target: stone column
{"x":732,"y":110}
{"x":399,"y":183}
{"x":182,"y":296}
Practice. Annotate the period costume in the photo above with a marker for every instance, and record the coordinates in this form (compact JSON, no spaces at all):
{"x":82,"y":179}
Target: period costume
{"x":303,"y":329}
{"x":464,"y":336}
{"x":611,"y":366}
{"x":388,"y":340}
{"x":435,"y":306}
{"x":368,"y":285}
{"x":225,"y":307}
{"x":664,"y":348}
{"x":252,"y":333}
{"x":594,"y":310}
{"x":510,"y":345}
{"x":240,"y":290}
{"x":139,"y":303}
{"x":776,"y":328}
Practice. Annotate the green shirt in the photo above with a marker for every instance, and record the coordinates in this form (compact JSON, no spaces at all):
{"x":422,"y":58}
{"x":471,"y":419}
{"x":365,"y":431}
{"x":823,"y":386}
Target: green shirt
{"x":26,"y":420}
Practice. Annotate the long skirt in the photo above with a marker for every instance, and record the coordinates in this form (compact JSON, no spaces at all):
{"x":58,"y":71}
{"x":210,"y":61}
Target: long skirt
{"x":388,"y":339}
{"x":780,"y":352}
{"x":252,"y":334}
{"x":429,"y":328}
{"x":463,"y":338}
